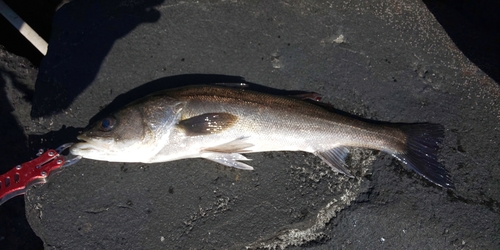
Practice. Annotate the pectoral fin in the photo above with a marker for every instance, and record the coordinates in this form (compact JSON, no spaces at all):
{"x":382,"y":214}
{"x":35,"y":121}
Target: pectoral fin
{"x":208,"y":123}
{"x":335,"y":158}
{"x":239,"y":145}
{"x":230,"y":160}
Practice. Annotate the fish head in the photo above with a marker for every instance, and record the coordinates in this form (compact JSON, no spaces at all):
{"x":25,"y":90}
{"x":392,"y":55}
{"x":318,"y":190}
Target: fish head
{"x":132,"y":134}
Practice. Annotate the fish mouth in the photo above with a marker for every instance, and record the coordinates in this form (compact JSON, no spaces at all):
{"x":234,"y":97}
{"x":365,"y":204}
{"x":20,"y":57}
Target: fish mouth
{"x":87,"y":145}
{"x":81,"y":148}
{"x":82,"y":138}
{"x":96,"y":141}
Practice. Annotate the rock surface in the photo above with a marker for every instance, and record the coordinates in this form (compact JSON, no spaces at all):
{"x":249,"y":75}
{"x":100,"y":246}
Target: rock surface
{"x":388,"y":61}
{"x":17,"y":83}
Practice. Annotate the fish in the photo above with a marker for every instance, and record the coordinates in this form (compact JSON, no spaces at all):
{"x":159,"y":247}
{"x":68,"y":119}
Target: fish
{"x":221,"y":123}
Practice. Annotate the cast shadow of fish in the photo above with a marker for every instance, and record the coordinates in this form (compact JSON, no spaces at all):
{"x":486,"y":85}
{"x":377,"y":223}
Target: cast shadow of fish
{"x":176,"y":81}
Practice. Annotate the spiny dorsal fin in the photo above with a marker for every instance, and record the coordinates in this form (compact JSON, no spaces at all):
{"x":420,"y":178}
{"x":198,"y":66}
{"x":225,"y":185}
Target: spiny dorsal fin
{"x":208,"y":123}
{"x":335,"y":158}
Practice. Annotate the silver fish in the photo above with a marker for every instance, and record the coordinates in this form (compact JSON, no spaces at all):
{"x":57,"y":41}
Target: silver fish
{"x":219,"y":123}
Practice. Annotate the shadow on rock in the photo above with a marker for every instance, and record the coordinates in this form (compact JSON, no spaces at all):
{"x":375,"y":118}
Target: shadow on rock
{"x":176,"y":81}
{"x":53,"y":139}
{"x":15,"y":232}
{"x":62,"y":78}
{"x":473,"y":27}
{"x":192,"y":80}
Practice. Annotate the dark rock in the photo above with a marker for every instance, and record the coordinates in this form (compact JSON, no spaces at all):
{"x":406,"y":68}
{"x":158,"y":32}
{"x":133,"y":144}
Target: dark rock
{"x":380,"y":60}
{"x":17,"y":82}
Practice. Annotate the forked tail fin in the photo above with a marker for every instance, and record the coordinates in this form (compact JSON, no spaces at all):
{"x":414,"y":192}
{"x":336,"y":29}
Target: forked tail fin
{"x":422,"y":144}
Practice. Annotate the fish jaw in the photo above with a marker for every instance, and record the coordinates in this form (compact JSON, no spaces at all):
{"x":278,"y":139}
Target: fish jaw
{"x":108,"y":149}
{"x":87,"y":150}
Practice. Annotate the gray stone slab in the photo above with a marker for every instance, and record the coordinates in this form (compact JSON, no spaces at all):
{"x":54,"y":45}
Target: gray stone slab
{"x":380,"y":60}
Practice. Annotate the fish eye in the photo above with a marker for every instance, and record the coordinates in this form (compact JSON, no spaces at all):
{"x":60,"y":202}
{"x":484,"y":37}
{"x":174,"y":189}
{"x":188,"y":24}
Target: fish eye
{"x":107,"y":124}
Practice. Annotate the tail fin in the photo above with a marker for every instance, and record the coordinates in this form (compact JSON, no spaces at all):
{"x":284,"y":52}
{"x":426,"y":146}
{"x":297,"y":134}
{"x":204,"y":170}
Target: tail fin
{"x":422,"y":144}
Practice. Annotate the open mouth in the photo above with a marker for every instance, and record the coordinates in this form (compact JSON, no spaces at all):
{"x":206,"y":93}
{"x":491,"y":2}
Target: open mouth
{"x":92,"y":144}
{"x":81,"y":138}
{"x":85,"y":145}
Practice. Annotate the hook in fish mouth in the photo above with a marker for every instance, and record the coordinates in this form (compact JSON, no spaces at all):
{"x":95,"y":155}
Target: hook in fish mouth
{"x":68,"y":162}
{"x":72,"y":161}
{"x":63,"y":147}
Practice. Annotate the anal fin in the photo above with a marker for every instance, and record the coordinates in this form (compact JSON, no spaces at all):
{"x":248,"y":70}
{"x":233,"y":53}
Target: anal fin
{"x":335,"y":158}
{"x":228,"y":159}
